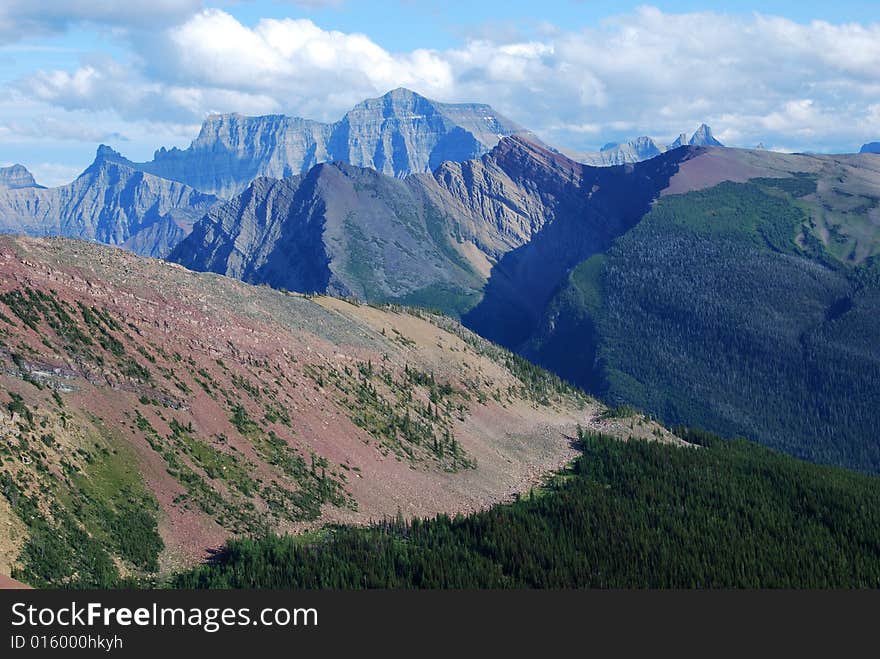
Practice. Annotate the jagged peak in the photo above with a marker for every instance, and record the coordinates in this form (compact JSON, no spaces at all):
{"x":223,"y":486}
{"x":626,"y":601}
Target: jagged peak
{"x":401,"y":96}
{"x":105,"y":157}
{"x":15,"y":168}
{"x":703,"y":137}
{"x":520,"y":146}
{"x":105,"y":152}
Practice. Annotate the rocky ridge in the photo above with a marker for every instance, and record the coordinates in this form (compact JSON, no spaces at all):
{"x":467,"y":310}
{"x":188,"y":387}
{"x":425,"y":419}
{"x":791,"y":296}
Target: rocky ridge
{"x":397,"y":134}
{"x":110,"y":202}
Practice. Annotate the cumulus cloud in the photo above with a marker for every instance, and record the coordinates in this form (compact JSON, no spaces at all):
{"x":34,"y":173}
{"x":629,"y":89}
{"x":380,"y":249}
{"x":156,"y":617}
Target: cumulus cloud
{"x":760,"y":78}
{"x":104,"y":84}
{"x":293,"y":60}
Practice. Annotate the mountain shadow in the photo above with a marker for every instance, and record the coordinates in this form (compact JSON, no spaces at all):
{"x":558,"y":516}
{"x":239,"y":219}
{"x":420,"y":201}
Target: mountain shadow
{"x":591,"y":209}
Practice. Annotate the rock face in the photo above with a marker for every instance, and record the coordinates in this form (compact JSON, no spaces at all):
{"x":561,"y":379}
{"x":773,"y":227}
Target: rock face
{"x":429,"y":239}
{"x":397,"y":134}
{"x":339,"y":229}
{"x":110,"y":202}
{"x":703,"y":137}
{"x":645,"y":148}
{"x":870,"y":147}
{"x":16,"y":177}
{"x":641,"y":148}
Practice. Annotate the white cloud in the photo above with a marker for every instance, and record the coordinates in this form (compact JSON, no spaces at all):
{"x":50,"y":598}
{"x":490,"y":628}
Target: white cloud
{"x":34,"y":17}
{"x":759,"y":78}
{"x":294,"y":60}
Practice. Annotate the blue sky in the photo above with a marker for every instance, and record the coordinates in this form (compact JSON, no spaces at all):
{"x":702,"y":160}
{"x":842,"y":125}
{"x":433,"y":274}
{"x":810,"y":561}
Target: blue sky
{"x":143,"y":73}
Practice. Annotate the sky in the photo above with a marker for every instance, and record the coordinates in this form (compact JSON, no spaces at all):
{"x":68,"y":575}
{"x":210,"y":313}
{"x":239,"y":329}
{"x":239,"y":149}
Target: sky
{"x":140,"y":74}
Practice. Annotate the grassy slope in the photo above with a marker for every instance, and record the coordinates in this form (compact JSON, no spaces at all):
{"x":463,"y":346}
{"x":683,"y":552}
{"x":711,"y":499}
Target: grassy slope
{"x":155,"y":407}
{"x":628,"y":514}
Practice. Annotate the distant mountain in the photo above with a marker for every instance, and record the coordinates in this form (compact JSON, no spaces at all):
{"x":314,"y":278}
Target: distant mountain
{"x":337,"y":229}
{"x":681,"y":140}
{"x":16,"y":177}
{"x":429,"y":239}
{"x":641,"y":148}
{"x":870,"y":147}
{"x":644,"y":148}
{"x":396,"y":134}
{"x":110,"y":202}
{"x":703,"y":137}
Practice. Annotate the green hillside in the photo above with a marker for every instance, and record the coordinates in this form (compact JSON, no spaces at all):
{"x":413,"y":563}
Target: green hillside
{"x":628,"y":514}
{"x":721,"y":309}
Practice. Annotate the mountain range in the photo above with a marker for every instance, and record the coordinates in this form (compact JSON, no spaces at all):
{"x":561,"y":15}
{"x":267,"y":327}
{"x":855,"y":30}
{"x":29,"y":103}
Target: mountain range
{"x":519,"y":242}
{"x":517,"y":239}
{"x":110,"y":202}
{"x":396,"y":134}
{"x":644,"y":148}
{"x":429,"y":239}
{"x":435,"y":309}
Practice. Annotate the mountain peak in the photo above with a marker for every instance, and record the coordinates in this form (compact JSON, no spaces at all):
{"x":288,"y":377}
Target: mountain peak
{"x":106,"y":155}
{"x":870,"y":147}
{"x":703,"y":137}
{"x":619,"y":153}
{"x":398,"y":133}
{"x":105,"y":152}
{"x":520,"y":150}
{"x":397,"y":96}
{"x":402,"y":92}
{"x":17,"y":176}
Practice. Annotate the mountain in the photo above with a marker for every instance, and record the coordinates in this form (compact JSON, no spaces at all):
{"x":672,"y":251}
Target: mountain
{"x":644,"y":148}
{"x":429,"y":239}
{"x":681,"y":140}
{"x":396,"y":134}
{"x":520,"y":242}
{"x":703,"y":137}
{"x":149,"y":413}
{"x":641,"y":148}
{"x":110,"y":202}
{"x":742,"y":302}
{"x":870,"y":147}
{"x":17,"y":176}
{"x":338,"y":229}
